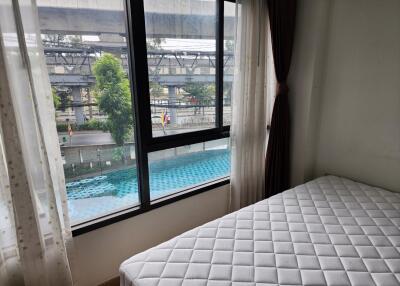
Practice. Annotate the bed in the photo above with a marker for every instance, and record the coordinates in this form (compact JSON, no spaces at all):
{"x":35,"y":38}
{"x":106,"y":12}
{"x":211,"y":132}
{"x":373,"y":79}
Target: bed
{"x":330,"y":231}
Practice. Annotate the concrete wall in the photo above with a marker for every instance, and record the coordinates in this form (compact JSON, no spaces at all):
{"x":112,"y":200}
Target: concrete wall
{"x":345,"y":99}
{"x":99,"y":253}
{"x":95,"y":153}
{"x":85,"y":154}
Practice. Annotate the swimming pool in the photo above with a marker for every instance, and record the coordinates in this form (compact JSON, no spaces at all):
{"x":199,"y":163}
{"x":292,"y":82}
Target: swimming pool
{"x":94,"y":196}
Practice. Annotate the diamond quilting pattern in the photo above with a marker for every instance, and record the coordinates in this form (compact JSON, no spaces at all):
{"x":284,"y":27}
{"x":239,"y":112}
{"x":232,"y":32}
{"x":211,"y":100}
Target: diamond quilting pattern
{"x":330,"y":231}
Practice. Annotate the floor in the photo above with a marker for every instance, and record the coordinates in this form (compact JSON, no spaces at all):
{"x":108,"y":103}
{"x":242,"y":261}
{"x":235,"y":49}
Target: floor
{"x":111,"y":282}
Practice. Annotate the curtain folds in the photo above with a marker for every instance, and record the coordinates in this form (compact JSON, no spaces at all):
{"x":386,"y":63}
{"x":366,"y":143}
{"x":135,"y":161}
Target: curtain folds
{"x":35,"y":237}
{"x":282,"y":15}
{"x":249,"y":103}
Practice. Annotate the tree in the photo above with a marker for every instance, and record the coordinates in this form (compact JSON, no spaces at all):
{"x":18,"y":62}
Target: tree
{"x":230,"y":45}
{"x":113,"y":96}
{"x":200,"y":93}
{"x":155,"y":88}
{"x":74,"y":39}
{"x":227,"y":94}
{"x":53,"y":39}
{"x":154,"y":43}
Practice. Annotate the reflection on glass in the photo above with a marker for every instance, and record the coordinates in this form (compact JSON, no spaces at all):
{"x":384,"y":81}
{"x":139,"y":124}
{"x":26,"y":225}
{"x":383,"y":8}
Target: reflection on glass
{"x":181,"y":168}
{"x":86,"y":56}
{"x":181,"y":49}
{"x":229,"y":18}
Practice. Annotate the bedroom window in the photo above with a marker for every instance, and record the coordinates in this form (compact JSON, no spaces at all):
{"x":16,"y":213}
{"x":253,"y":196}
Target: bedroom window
{"x":181,"y":63}
{"x":88,"y":71}
{"x":188,"y":166}
{"x":142,"y":95}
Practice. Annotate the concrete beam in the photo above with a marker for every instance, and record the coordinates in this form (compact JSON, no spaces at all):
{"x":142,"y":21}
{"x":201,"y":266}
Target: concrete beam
{"x":165,"y":80}
{"x":71,"y":80}
{"x":180,"y":80}
{"x":64,"y":20}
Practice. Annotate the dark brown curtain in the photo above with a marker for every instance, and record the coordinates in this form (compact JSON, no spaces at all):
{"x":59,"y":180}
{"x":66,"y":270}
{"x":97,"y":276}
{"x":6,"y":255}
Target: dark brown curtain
{"x":282,"y":14}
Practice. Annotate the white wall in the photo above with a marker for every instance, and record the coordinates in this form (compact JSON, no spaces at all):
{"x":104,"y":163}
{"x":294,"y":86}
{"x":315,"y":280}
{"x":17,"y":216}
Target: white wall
{"x":99,"y":253}
{"x":345,"y":86}
{"x":305,"y":80}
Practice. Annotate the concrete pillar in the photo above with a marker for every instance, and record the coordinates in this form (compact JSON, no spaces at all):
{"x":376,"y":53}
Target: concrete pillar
{"x":78,"y":110}
{"x":172,"y":101}
{"x":90,"y":102}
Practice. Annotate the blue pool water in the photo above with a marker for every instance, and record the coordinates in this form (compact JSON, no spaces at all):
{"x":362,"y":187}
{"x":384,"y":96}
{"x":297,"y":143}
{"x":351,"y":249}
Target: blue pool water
{"x":166,"y":176}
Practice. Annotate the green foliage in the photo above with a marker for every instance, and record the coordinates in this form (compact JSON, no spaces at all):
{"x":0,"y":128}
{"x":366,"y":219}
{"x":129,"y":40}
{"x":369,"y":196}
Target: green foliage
{"x":155,"y":88}
{"x":154,"y":43}
{"x":74,"y":39}
{"x":229,"y":45}
{"x":92,"y":124}
{"x":53,"y":38}
{"x":113,"y":96}
{"x":56,"y":99}
{"x":228,"y":90}
{"x":200,"y":91}
{"x":62,"y":127}
{"x":118,"y":153}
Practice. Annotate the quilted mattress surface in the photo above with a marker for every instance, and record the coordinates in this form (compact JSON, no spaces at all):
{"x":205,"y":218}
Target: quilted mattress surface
{"x":330,"y":231}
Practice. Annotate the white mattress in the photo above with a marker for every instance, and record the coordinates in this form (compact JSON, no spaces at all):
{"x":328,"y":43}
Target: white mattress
{"x":330,"y":231}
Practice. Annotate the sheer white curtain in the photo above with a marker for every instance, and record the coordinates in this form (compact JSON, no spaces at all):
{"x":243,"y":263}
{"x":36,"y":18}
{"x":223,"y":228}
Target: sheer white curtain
{"x":253,"y":87}
{"x":35,"y":234}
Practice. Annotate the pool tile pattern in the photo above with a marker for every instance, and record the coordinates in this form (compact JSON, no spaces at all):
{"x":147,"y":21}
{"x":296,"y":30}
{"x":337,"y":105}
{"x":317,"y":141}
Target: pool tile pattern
{"x":100,"y":195}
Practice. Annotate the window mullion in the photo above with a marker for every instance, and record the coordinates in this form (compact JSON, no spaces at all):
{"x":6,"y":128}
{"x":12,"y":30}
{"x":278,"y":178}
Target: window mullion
{"x":140,"y":90}
{"x":193,"y":138}
{"x":219,"y":64}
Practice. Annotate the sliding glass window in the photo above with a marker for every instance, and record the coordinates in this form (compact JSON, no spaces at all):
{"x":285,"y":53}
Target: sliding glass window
{"x":85,"y":48}
{"x":142,"y":92}
{"x":229,"y":32}
{"x":181,"y":57}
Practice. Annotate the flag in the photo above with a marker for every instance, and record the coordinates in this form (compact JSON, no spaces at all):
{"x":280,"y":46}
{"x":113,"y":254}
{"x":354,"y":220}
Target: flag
{"x":162,"y":119}
{"x":70,"y":133}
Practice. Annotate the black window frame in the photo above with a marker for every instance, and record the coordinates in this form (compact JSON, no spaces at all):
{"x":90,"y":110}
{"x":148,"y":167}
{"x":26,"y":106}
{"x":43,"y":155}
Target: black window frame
{"x":145,"y":142}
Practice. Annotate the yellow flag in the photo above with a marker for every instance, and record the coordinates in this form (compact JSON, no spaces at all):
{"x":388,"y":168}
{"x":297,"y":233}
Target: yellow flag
{"x":162,"y":119}
{"x":70,"y":130}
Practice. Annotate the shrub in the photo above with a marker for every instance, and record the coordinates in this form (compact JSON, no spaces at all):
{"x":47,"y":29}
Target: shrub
{"x":92,"y":124}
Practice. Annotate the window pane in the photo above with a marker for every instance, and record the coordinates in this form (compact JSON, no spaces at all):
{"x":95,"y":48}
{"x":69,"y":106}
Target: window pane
{"x":181,"y":168}
{"x":181,"y":50}
{"x":229,"y":24}
{"x":86,"y":53}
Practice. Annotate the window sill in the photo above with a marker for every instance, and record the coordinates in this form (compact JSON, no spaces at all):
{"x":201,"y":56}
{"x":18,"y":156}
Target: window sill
{"x":137,"y":210}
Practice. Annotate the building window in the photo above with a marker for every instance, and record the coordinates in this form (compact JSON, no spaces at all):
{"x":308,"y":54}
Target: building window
{"x":142,"y":94}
